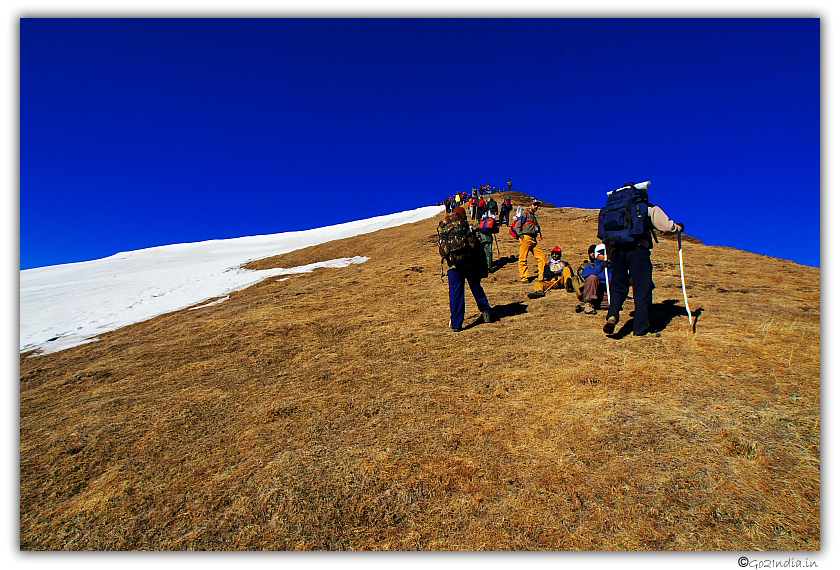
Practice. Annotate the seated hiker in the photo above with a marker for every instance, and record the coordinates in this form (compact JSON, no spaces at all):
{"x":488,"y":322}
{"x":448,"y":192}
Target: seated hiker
{"x":558,"y":269}
{"x":594,"y":275}
{"x":557,"y":274}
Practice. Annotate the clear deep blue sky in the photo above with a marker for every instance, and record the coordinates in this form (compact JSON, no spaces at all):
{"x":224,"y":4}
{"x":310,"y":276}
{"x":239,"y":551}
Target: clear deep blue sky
{"x":143,"y":132}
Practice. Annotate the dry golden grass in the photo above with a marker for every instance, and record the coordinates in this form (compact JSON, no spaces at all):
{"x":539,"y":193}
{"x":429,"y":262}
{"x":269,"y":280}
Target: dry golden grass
{"x":335,"y":410}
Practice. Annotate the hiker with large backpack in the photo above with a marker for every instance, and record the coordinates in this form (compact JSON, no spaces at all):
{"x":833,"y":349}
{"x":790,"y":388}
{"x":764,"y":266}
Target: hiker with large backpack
{"x":504,"y":212}
{"x":625,"y":226}
{"x":460,"y":248}
{"x":488,"y":227}
{"x":527,"y":231}
{"x":493,"y":207}
{"x":480,"y":208}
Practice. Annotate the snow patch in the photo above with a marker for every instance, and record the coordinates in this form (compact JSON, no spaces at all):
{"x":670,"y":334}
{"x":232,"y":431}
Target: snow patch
{"x":62,"y":306}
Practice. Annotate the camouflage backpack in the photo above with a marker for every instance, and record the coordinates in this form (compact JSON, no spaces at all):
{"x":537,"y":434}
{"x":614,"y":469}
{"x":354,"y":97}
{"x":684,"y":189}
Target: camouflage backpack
{"x":457,"y":241}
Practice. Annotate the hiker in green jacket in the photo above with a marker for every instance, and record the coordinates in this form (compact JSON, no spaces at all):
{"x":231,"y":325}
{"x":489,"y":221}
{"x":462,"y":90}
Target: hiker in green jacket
{"x":488,"y":227}
{"x":527,"y":230}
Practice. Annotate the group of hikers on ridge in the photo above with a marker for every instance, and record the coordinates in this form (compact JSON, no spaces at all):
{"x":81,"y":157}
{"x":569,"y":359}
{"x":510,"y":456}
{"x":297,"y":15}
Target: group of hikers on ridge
{"x":625,"y":228}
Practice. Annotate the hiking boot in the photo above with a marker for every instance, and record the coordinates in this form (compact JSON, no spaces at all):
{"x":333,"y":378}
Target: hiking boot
{"x":579,"y":309}
{"x":609,"y":327}
{"x":524,"y":280}
{"x":589,"y":309}
{"x":536,"y":294}
{"x":570,"y":286}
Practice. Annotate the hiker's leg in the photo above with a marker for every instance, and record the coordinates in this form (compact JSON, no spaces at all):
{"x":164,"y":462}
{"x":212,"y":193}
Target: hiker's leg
{"x":524,"y":247}
{"x":456,"y":297}
{"x":602,"y":296}
{"x":641,"y":270}
{"x":541,"y":259}
{"x":619,"y":284}
{"x":478,"y":292}
{"x":590,"y":289}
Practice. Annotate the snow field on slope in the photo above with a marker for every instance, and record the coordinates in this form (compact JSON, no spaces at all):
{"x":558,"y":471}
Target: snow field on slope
{"x":68,"y":305}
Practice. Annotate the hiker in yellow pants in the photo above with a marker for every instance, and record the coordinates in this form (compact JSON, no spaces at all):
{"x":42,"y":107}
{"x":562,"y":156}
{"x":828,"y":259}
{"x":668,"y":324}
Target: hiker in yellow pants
{"x":529,"y":244}
{"x":527,"y":228}
{"x":558,"y":274}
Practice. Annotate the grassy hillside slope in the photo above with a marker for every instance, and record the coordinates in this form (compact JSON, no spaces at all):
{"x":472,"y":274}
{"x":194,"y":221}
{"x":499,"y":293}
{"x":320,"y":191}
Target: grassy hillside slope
{"x":336,"y":410}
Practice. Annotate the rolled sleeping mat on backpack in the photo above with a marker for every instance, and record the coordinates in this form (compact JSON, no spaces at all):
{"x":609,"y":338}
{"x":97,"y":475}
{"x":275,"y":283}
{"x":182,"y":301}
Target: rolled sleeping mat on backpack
{"x":639,"y":185}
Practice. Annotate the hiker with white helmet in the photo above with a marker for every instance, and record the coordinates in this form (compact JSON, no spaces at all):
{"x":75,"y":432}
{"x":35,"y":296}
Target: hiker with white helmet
{"x":625,"y":226}
{"x":595,"y":276}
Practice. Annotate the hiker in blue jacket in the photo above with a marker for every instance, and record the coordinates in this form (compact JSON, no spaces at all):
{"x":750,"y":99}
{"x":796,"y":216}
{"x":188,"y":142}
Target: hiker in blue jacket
{"x":595,"y":278}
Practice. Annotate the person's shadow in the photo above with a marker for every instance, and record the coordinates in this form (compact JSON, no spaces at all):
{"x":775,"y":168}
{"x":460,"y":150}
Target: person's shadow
{"x":502,"y":261}
{"x":661,"y":315}
{"x":501,"y":312}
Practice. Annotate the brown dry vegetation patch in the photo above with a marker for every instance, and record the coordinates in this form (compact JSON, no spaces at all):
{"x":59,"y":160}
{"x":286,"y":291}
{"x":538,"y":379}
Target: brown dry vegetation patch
{"x":335,"y":410}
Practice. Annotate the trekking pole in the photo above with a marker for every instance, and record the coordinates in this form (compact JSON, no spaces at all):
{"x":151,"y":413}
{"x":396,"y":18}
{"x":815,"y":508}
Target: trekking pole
{"x":607,"y":275}
{"x":499,"y":251}
{"x":682,"y":278}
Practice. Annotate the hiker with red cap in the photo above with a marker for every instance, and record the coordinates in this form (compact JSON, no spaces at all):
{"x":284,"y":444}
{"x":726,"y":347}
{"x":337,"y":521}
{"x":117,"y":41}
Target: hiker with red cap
{"x":558,"y":273}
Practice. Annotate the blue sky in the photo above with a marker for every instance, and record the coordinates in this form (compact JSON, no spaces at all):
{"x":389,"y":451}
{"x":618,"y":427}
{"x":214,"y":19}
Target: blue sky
{"x":136,"y":133}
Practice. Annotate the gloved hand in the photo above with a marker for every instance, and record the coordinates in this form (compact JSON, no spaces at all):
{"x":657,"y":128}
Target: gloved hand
{"x":680,"y":228}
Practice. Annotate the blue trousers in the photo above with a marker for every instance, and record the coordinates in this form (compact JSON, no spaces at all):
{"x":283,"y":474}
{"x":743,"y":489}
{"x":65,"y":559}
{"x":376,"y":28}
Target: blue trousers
{"x":626,"y":262}
{"x":457,"y":303}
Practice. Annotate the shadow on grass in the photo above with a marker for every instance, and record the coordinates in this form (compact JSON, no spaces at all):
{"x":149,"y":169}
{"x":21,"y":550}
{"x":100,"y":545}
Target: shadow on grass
{"x":503,"y":261}
{"x":661,"y":315}
{"x":502,"y":311}
{"x":509,"y":310}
